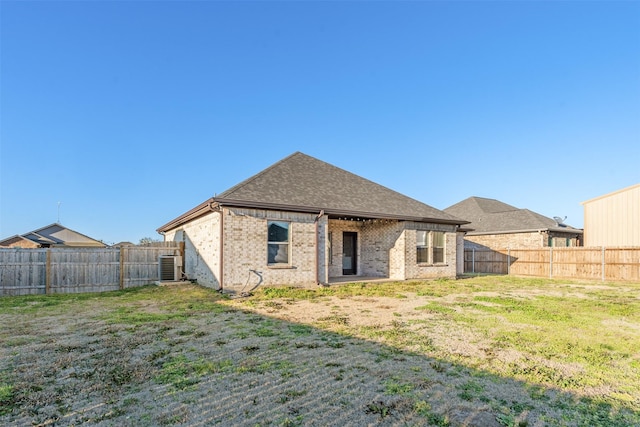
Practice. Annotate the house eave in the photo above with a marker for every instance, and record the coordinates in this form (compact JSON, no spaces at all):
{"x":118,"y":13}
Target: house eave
{"x":533,"y":230}
{"x":203,"y":208}
{"x":215,"y":202}
{"x":334,"y":213}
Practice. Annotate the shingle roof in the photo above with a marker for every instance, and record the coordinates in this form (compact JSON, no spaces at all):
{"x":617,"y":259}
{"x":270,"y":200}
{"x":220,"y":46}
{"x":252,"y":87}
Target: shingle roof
{"x":57,"y":234}
{"x":303,"y":183}
{"x":493,"y":216}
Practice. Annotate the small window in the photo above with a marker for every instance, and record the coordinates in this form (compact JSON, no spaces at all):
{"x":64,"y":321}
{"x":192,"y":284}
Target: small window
{"x":330,"y":247}
{"x":278,"y":242}
{"x":422,"y":246}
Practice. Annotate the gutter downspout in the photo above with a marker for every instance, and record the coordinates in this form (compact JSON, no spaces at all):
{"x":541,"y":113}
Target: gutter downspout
{"x":221,"y":278}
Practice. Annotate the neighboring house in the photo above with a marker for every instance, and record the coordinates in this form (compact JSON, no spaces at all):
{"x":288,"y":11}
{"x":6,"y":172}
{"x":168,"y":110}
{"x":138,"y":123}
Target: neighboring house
{"x":54,"y":235}
{"x":303,"y":221}
{"x":497,"y":225}
{"x":613,"y":219}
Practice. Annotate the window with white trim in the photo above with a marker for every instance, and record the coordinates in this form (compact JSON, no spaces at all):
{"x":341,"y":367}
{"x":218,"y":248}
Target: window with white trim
{"x":278,"y":242}
{"x":437,"y":243}
{"x":430,"y":247}
{"x":422,"y":246}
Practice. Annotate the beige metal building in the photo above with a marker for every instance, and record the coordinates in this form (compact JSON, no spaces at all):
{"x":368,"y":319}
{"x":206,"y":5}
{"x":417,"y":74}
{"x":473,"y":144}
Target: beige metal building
{"x":613,"y":219}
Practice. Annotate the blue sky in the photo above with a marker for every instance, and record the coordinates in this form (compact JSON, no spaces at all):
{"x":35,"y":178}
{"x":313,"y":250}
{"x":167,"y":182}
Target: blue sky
{"x":130,"y":113}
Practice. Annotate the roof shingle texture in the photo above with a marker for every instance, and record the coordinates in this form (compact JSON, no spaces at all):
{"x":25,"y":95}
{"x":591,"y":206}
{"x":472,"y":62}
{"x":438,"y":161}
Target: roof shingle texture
{"x":490,"y":215}
{"x":303,"y":181}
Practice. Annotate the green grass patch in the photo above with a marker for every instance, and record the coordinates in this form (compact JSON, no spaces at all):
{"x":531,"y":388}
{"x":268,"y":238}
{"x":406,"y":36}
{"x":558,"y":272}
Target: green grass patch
{"x":396,"y":387}
{"x":182,"y":373}
{"x":423,"y":409}
{"x":301,"y":330}
{"x":436,"y":308}
{"x":6,"y":398}
{"x":136,"y":316}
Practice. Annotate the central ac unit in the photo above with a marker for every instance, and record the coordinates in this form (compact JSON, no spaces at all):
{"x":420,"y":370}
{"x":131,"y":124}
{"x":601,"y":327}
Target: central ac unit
{"x":169,"y":268}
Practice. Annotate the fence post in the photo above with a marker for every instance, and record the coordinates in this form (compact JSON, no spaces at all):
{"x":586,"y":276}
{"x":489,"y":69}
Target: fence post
{"x":122,"y":249}
{"x":47,"y":273}
{"x":603,"y":263}
{"x":550,"y":262}
{"x":473,"y":260}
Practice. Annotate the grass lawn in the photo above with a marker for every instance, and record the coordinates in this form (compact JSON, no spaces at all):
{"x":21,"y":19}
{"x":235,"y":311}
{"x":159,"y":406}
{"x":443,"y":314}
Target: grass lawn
{"x":485,"y":351}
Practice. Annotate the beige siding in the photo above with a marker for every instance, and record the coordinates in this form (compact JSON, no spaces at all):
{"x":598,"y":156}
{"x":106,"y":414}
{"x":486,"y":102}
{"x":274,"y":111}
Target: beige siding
{"x":613,"y":219}
{"x":19,"y":242}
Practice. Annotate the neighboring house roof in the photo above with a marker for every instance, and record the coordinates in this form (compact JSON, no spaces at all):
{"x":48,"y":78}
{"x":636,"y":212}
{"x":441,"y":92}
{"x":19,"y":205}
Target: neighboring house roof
{"x":490,"y":216}
{"x":305,"y":184}
{"x":56,"y":235}
{"x":17,"y":241}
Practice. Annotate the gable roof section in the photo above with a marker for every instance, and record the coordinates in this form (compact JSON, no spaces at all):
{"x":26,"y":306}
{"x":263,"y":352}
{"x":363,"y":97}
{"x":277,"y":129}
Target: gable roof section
{"x":17,"y":241}
{"x":303,"y":183}
{"x":59,"y":235}
{"x":490,"y":216}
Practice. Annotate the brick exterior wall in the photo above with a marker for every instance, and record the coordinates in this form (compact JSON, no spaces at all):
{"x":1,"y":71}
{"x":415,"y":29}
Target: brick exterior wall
{"x":385,"y":249}
{"x":414,"y":270}
{"x":532,"y":240}
{"x":388,"y":249}
{"x":376,"y":240}
{"x":201,"y":239}
{"x":245,"y":249}
{"x":397,"y":258}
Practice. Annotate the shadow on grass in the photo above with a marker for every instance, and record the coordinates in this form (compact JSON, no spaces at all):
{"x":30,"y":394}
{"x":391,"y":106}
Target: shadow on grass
{"x":180,"y":357}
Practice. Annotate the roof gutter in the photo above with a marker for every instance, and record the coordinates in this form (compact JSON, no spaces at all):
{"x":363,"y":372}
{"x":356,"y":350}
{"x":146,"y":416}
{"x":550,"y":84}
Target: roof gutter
{"x":203,"y":208}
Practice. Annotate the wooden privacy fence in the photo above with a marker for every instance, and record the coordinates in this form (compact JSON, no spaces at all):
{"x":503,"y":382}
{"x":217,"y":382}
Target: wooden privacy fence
{"x":74,"y":270}
{"x":597,"y":263}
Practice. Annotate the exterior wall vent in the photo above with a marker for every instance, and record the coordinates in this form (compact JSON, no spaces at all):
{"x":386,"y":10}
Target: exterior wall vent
{"x":169,"y":268}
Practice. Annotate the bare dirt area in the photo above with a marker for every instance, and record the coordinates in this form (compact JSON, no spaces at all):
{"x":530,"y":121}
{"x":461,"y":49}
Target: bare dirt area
{"x":187,"y":356}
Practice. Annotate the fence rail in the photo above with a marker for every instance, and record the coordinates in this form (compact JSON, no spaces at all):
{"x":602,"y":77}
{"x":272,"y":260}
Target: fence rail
{"x":74,"y":270}
{"x":596,"y":263}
